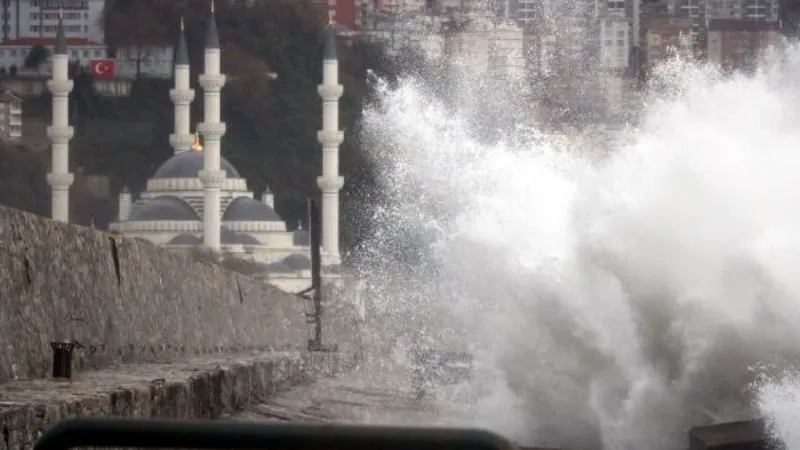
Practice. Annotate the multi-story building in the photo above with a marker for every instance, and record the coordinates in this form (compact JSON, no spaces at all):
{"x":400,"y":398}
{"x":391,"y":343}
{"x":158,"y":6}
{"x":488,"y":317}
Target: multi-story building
{"x":14,"y":52}
{"x":739,"y":43}
{"x":38,"y":18}
{"x":346,"y":11}
{"x":614,"y":42}
{"x":664,"y":36}
{"x":743,"y":9}
{"x":487,"y":45}
{"x":10,"y":117}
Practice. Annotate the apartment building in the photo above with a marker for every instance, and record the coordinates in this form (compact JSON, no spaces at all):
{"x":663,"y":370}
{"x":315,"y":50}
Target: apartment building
{"x":345,"y":11}
{"x":38,"y":18}
{"x":739,"y":43}
{"x":664,"y":36}
{"x":10,"y":116}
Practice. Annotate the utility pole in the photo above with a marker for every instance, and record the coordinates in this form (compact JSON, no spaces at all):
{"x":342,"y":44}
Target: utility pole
{"x":314,"y":292}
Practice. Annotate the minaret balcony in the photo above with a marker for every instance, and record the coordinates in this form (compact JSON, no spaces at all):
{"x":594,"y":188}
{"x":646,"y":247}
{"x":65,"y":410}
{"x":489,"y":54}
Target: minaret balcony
{"x":181,"y":141}
{"x":330,"y":185}
{"x":60,"y":135}
{"x":60,"y":181}
{"x":330,"y":92}
{"x":330,"y":139}
{"x":211,"y":130}
{"x":181,"y":96}
{"x":212,"y":178}
{"x":211,"y":83}
{"x":59,"y":87}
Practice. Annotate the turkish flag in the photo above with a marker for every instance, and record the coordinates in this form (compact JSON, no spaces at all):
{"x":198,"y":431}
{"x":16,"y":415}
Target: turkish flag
{"x":102,"y":67}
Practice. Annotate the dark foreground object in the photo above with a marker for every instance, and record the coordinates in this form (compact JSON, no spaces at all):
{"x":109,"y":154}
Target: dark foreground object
{"x":433,"y":368}
{"x":747,"y":435}
{"x":163,"y":434}
{"x":62,"y":359}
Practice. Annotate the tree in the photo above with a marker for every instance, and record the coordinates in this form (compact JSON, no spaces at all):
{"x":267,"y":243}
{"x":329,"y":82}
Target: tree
{"x":23,"y":173}
{"x":37,"y":56}
{"x":134,"y":28}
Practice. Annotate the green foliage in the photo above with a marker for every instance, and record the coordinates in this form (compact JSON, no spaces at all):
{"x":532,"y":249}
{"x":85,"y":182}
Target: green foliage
{"x":36,"y":57}
{"x":23,"y":173}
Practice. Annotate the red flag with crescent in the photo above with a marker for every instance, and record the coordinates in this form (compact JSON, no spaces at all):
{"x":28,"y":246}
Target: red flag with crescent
{"x":102,"y":67}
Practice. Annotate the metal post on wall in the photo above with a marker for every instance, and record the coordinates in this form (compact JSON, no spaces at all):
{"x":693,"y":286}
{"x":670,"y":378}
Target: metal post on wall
{"x":315,"y":290}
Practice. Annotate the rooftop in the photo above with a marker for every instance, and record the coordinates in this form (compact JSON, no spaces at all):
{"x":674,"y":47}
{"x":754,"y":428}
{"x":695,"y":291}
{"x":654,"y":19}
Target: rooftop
{"x":49,"y":42}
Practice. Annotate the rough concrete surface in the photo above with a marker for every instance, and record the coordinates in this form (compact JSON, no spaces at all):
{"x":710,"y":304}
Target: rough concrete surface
{"x":125,"y":301}
{"x":203,"y":388}
{"x":365,"y":396}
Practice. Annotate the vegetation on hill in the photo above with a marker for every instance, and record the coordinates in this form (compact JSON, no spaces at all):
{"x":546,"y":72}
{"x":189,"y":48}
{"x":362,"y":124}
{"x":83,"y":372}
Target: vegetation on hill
{"x":271,"y":123}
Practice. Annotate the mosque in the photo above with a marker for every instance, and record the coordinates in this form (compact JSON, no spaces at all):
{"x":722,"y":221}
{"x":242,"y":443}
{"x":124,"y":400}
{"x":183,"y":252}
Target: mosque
{"x":197,"y":199}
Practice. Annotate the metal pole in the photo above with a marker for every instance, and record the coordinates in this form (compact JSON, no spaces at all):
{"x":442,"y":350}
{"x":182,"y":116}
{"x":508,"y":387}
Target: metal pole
{"x":314,"y":226}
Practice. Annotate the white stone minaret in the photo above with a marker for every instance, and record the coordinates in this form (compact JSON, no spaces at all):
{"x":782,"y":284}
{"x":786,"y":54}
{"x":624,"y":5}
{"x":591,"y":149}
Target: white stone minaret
{"x":212,"y":130}
{"x":182,"y":95}
{"x":60,"y":179}
{"x":125,"y":204}
{"x":330,"y":183}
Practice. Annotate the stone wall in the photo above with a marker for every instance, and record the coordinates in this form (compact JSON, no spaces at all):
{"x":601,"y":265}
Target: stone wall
{"x":125,"y":301}
{"x":208,"y":387}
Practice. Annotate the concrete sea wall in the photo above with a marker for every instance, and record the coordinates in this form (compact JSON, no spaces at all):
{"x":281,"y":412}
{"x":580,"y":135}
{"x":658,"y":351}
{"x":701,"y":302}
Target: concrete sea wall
{"x":125,"y":301}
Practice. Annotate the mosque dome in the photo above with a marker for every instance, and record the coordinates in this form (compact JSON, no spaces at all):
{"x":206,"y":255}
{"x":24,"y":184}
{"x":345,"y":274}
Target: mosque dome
{"x":279,"y":267}
{"x":246,"y":209}
{"x":185,"y":239}
{"x":165,"y":207}
{"x":246,"y":239}
{"x":298,"y":262}
{"x":228,"y":237}
{"x":188,"y":164}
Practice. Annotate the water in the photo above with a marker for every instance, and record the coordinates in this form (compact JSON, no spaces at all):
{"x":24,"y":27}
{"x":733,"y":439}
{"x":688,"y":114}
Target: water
{"x":613,"y":302}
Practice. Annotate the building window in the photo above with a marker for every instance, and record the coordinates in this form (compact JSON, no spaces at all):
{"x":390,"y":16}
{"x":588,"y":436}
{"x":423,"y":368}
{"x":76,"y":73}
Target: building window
{"x":98,"y":53}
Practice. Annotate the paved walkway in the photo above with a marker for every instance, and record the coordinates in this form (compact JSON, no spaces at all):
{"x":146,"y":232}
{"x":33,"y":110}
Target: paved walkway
{"x":367,"y":397}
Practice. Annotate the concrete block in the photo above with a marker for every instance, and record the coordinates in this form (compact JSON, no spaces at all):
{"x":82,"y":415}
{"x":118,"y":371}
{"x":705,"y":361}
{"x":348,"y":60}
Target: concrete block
{"x":747,"y":435}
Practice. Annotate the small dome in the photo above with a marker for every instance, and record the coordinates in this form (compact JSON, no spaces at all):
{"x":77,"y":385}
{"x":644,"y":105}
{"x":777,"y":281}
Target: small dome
{"x":188,"y":164}
{"x":246,"y":239}
{"x":298,"y":262}
{"x":301,"y":237}
{"x":226,"y":236}
{"x":279,"y":267}
{"x":185,"y":239}
{"x":246,"y":209}
{"x":165,"y":207}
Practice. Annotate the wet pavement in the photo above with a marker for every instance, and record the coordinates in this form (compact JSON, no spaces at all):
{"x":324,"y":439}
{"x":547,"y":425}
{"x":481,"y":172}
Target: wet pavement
{"x":365,"y":397}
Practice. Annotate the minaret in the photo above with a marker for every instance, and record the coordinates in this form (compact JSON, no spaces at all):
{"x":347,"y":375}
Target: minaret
{"x":330,"y":183}
{"x":212,"y":130}
{"x":60,"y":179}
{"x":125,"y":202}
{"x":182,"y":95}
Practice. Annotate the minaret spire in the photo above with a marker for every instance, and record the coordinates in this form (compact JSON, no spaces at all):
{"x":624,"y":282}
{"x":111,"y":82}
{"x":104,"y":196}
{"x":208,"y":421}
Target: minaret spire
{"x":60,"y":132}
{"x":212,"y":130}
{"x":182,"y":95}
{"x":330,"y":183}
